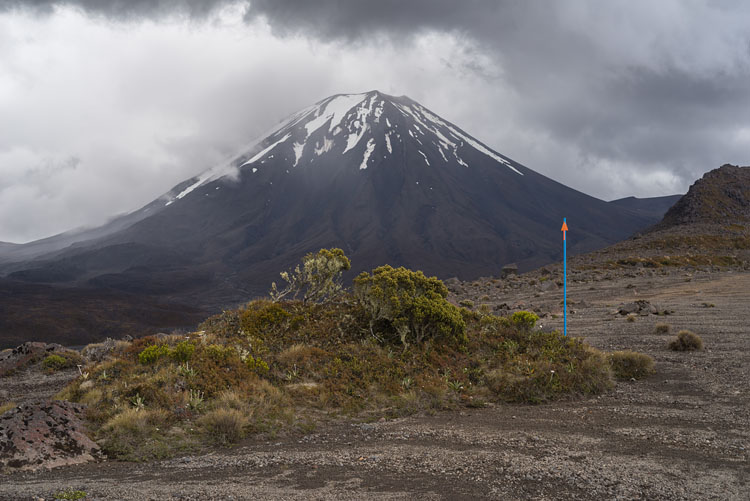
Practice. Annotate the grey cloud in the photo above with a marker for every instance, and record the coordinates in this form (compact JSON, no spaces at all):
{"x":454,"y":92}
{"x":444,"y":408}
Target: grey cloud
{"x":638,"y":83}
{"x":122,"y":9}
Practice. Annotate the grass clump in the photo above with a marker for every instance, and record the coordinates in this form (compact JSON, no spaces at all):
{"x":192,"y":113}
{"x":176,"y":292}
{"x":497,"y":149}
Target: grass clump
{"x":630,"y":365}
{"x":70,"y":494}
{"x":662,"y":328}
{"x":224,"y":426}
{"x":7,"y":406}
{"x":391,"y":347}
{"x":686,"y":341}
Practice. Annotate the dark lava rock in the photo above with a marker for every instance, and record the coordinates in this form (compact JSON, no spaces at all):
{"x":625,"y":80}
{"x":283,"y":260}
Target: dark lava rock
{"x":640,"y":307}
{"x":45,"y":435}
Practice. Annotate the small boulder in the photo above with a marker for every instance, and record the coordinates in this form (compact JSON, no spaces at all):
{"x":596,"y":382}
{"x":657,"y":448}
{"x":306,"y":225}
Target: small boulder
{"x":508,"y":270}
{"x":548,"y":285}
{"x":640,"y":307}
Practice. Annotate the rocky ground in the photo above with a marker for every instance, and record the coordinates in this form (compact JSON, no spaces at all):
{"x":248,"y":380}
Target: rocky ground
{"x":683,"y":433}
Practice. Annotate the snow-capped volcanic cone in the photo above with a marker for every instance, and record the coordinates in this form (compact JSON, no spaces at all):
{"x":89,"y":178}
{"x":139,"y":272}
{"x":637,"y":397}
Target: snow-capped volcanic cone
{"x":382,"y":177}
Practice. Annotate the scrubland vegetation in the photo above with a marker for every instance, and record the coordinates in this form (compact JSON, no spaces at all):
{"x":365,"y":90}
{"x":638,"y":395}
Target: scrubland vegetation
{"x":686,"y":341}
{"x":391,"y":346}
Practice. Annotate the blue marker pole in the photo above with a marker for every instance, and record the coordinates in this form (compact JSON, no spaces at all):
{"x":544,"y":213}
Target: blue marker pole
{"x":565,"y":280}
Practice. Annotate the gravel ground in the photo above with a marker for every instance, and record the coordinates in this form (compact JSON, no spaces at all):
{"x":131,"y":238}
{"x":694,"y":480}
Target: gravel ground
{"x":682,"y":433}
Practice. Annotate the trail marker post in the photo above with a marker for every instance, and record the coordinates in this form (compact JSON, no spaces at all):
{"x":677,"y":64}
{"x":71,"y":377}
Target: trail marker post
{"x":564,"y":229}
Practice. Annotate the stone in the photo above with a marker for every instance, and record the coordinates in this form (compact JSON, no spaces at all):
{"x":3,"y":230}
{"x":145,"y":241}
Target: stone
{"x":508,"y":270}
{"x":640,"y":307}
{"x":97,"y":352}
{"x":45,"y":434}
{"x":548,"y":285}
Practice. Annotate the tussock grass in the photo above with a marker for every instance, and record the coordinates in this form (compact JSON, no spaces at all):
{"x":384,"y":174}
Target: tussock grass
{"x":627,"y":365}
{"x":662,"y":328}
{"x":686,"y":341}
{"x":224,"y":426}
{"x":5,"y":407}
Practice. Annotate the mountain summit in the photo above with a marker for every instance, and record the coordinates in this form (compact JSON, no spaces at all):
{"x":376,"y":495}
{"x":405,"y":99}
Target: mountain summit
{"x":382,"y":177}
{"x":357,"y":131}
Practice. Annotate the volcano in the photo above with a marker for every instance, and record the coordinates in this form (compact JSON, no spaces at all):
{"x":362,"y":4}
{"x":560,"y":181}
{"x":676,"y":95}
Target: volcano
{"x":382,"y":177}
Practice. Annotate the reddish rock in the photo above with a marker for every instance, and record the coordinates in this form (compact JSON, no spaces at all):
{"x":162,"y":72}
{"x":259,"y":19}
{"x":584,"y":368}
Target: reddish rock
{"x":45,"y":435}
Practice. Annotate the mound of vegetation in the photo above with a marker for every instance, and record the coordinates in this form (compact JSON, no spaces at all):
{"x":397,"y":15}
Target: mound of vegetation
{"x":392,"y":346}
{"x":629,"y":365}
{"x":686,"y":341}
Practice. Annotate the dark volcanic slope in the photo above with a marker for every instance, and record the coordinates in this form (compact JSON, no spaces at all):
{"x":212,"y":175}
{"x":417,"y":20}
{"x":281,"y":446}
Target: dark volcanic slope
{"x":379,"y":176}
{"x":654,"y":207}
{"x":721,"y":196}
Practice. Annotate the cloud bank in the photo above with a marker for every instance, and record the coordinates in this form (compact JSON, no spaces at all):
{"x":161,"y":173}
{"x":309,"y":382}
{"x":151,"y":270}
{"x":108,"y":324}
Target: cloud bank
{"x":108,"y":104}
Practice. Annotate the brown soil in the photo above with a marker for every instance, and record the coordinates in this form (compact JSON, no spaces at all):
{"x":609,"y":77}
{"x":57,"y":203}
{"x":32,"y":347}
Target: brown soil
{"x":683,"y":433}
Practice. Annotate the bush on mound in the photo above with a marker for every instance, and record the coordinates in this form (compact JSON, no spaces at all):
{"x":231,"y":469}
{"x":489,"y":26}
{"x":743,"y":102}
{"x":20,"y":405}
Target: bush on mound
{"x":393,"y":347}
{"x":686,"y":341}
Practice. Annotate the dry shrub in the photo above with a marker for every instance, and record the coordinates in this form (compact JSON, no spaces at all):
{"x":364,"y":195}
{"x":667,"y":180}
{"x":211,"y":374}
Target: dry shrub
{"x":662,"y":328}
{"x":225,"y":426}
{"x":231,"y":399}
{"x":686,"y":341}
{"x":301,"y":355}
{"x":627,"y":365}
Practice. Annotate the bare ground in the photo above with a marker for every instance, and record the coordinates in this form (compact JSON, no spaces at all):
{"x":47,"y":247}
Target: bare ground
{"x":683,"y":433}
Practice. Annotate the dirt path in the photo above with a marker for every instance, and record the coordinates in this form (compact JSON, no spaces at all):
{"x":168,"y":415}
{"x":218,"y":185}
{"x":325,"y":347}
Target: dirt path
{"x":683,"y":433}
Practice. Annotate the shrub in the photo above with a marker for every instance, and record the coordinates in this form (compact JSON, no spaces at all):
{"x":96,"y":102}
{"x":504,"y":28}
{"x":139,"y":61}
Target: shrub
{"x":318,"y":280}
{"x":466,"y":303}
{"x":686,"y":341}
{"x":183,"y":351}
{"x":56,"y":362}
{"x":152,"y":353}
{"x":662,"y":328}
{"x":410,"y":305}
{"x":524,"y":320}
{"x":261,"y":318}
{"x":224,"y":426}
{"x":70,"y":494}
{"x":627,"y":365}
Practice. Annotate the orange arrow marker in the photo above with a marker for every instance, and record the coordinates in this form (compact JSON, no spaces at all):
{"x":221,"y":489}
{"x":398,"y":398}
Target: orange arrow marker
{"x":564,"y":229}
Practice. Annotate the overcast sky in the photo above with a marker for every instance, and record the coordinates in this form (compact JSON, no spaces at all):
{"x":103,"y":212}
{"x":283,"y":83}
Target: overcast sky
{"x":107,"y":104}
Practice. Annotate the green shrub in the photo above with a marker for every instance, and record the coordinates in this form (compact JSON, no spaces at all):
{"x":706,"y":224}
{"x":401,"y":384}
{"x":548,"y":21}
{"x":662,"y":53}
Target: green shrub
{"x":261,"y":318}
{"x":183,"y":351}
{"x":318,"y":280}
{"x":627,"y":365}
{"x":524,"y":320}
{"x":409,"y":305}
{"x":466,"y":303}
{"x":686,"y":341}
{"x":55,"y":362}
{"x":152,"y":353}
{"x":70,"y":494}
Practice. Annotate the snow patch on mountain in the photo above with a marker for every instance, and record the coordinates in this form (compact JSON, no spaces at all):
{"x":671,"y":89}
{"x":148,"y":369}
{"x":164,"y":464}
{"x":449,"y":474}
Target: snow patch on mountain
{"x":368,"y":152}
